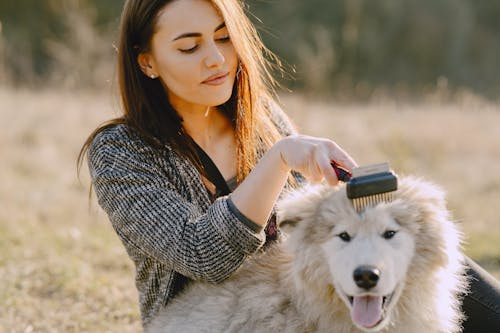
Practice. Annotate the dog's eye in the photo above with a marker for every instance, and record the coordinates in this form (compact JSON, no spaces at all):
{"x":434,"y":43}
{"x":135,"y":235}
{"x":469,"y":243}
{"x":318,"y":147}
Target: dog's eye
{"x":344,"y":236}
{"x":389,"y":234}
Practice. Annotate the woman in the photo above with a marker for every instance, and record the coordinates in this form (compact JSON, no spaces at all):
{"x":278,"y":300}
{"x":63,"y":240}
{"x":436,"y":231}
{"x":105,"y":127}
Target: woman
{"x":186,"y":83}
{"x":195,"y":91}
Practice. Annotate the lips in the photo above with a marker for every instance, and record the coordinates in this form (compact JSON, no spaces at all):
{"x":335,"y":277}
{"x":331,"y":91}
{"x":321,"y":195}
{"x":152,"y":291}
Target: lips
{"x":216,"y":79}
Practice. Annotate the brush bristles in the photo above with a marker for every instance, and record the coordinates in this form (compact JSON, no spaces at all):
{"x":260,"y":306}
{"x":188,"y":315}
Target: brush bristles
{"x":362,"y":203}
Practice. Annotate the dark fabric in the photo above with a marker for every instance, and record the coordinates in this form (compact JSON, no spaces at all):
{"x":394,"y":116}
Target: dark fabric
{"x":482,"y":304}
{"x":172,"y":228}
{"x":160,"y":208}
{"x":232,"y":183}
{"x":223,"y":188}
{"x":249,"y":223}
{"x":212,"y":172}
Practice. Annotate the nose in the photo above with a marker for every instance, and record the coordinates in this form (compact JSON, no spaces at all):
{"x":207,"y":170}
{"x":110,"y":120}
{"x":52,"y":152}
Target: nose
{"x":366,"y":277}
{"x":214,"y":57}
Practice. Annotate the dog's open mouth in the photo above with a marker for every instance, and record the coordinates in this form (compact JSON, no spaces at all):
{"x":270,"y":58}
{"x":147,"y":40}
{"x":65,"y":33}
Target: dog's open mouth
{"x":368,"y":311}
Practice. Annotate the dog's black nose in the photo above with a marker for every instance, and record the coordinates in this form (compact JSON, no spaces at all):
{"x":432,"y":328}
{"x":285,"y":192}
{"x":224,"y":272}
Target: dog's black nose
{"x":366,"y":277}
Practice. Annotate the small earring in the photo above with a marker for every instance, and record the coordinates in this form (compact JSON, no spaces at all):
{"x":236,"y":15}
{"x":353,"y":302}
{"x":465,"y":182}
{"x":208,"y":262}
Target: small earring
{"x":152,"y":76}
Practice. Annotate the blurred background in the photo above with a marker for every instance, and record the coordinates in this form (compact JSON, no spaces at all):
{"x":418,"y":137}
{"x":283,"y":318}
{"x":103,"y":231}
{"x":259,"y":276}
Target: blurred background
{"x":412,"y":82}
{"x":360,"y":48}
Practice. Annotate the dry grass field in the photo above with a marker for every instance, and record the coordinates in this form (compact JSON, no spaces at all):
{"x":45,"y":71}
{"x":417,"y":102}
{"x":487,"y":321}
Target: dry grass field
{"x":62,"y":268}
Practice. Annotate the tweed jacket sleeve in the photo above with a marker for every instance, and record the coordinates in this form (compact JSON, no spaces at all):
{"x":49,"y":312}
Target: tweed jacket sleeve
{"x":160,"y":209}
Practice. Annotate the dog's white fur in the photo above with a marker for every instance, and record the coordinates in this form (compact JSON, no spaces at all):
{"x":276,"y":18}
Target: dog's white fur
{"x":303,"y":283}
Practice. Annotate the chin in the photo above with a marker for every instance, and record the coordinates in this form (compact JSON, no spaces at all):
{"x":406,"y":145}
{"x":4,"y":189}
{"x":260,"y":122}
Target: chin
{"x":218,"y":95}
{"x":216,"y":100}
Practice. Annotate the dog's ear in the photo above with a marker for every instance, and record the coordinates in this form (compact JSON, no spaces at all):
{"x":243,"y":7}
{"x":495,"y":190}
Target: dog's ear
{"x":423,"y":199}
{"x":423,"y":202}
{"x":298,"y":205}
{"x":288,"y":214}
{"x":288,"y":224}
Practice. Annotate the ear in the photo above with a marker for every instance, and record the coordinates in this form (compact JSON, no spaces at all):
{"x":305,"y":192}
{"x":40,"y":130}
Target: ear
{"x":147,"y":65}
{"x":298,"y":205}
{"x":424,"y":199}
{"x":288,"y":224}
{"x":423,"y":194}
{"x":437,"y":236}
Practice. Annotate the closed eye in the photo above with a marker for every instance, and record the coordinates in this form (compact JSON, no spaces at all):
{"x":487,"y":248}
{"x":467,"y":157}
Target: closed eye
{"x":389,"y":234}
{"x":190,"y":50}
{"x":194,"y":48}
{"x":223,"y":39}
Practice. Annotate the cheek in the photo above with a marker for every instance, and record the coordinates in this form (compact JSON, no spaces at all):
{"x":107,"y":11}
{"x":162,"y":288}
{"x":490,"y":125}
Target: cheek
{"x":180,"y":73}
{"x":402,"y":248}
{"x":340,"y":260}
{"x":230,"y":56}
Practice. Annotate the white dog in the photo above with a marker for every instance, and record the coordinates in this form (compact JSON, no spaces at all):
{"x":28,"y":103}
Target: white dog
{"x":395,"y":267}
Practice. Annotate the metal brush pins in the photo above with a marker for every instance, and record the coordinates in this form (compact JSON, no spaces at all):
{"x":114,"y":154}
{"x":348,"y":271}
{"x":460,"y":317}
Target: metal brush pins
{"x":368,"y":185}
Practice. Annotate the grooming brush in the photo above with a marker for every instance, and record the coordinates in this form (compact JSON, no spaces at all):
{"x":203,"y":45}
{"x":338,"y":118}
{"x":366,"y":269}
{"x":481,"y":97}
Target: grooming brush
{"x":368,"y":185}
{"x":342,"y":174}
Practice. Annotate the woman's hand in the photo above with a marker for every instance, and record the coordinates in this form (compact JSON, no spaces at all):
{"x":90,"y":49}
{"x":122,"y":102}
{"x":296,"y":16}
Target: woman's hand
{"x":257,"y":194}
{"x":312,"y":156}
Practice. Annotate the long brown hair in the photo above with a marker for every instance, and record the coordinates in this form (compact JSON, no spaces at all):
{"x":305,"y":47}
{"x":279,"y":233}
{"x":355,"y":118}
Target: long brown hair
{"x":147,"y":110}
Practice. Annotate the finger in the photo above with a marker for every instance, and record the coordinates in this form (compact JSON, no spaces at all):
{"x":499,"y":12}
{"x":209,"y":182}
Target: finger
{"x":314,"y":172}
{"x":342,"y":158}
{"x":327,"y":170}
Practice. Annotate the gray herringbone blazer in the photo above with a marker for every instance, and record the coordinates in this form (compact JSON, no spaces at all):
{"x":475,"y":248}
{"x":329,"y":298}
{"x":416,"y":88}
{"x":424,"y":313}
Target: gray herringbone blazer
{"x":165,"y":217}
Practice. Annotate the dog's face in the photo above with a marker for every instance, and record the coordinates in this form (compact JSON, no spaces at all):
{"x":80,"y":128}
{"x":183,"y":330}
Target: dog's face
{"x":368,"y":257}
{"x":369,"y":254}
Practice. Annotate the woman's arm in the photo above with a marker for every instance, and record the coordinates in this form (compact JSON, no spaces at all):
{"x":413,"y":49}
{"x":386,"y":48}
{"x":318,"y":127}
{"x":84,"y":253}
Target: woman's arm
{"x":310,"y":156}
{"x":148,"y":213}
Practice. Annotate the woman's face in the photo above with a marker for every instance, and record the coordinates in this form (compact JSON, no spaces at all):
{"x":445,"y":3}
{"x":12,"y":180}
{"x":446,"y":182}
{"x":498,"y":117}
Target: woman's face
{"x":192,"y":54}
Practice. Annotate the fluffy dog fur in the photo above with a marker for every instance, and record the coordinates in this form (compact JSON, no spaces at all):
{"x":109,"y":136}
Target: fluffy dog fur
{"x":306,"y":283}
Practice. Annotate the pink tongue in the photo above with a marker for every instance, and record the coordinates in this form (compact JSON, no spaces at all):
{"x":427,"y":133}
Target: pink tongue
{"x":367,"y":310}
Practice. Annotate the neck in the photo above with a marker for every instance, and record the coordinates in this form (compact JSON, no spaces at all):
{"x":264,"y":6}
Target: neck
{"x":204,"y":124}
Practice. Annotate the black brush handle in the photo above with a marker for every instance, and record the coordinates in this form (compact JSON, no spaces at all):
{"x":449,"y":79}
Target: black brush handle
{"x":343,"y":174}
{"x":378,"y":183}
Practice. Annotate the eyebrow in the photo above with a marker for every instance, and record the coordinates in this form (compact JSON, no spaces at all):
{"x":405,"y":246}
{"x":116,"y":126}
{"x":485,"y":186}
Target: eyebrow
{"x":197,"y":34}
